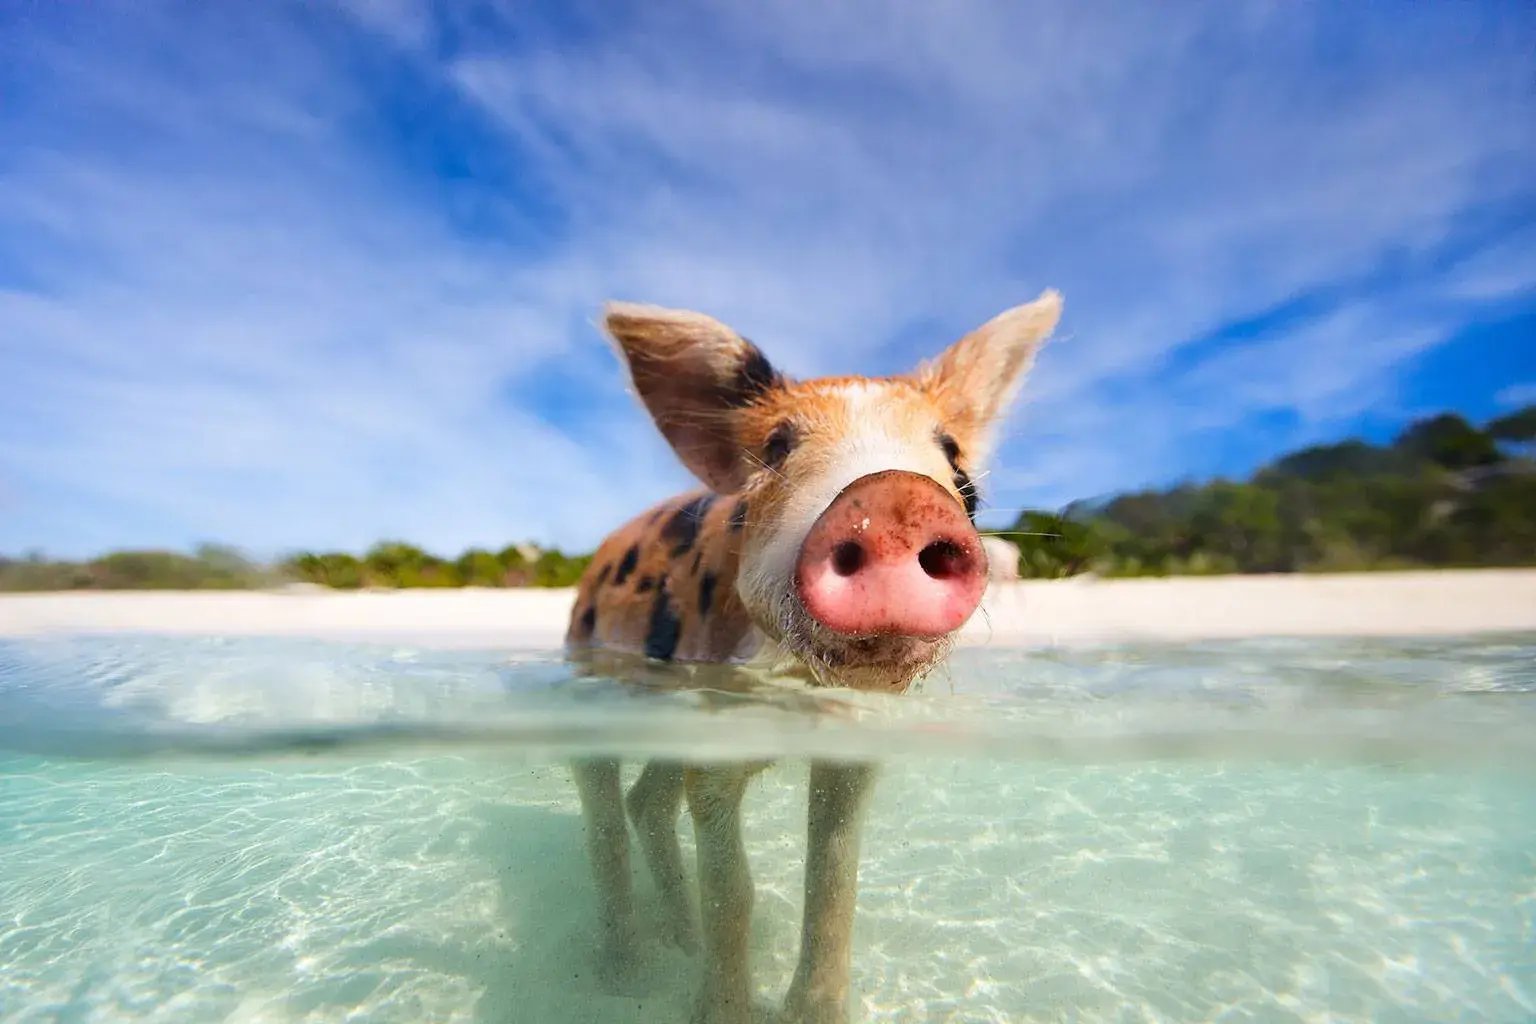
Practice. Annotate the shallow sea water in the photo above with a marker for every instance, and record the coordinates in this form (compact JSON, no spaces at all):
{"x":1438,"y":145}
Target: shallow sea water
{"x":262,"y":830}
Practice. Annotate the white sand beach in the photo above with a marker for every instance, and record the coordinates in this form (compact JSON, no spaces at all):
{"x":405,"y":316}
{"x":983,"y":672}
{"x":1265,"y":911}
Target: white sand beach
{"x":1031,"y":613}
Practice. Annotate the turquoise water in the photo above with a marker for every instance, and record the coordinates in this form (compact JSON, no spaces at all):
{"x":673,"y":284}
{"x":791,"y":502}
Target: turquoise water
{"x":276,"y":830}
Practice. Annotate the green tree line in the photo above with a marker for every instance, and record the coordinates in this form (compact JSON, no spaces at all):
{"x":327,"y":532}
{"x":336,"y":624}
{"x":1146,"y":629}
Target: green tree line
{"x":398,"y":564}
{"x":210,"y":567}
{"x":1444,"y":493}
{"x":391,"y":564}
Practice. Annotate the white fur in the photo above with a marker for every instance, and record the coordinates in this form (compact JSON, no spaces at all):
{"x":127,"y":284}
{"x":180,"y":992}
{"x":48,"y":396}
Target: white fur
{"x":877,"y":443}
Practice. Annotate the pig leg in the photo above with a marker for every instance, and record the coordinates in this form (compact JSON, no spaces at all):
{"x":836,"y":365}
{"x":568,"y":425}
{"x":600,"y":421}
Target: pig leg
{"x":602,"y":809}
{"x":725,"y":890}
{"x":653,"y":803}
{"x":819,"y":992}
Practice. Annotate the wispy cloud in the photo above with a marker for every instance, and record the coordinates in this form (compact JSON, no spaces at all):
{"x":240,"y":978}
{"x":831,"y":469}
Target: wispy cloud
{"x":1517,"y":394}
{"x":293,"y":276}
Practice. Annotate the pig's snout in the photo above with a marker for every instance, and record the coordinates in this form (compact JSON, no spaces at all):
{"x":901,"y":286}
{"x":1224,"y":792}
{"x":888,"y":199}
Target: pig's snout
{"x":893,"y":555}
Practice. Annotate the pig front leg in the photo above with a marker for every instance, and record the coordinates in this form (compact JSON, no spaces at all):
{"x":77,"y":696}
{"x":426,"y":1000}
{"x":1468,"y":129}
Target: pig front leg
{"x":838,"y":795}
{"x":725,"y":891}
{"x":607,"y":836}
{"x":653,"y":803}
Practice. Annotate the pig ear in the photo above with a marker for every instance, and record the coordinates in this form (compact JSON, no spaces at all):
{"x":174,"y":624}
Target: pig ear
{"x":975,"y":379}
{"x":695,"y":375}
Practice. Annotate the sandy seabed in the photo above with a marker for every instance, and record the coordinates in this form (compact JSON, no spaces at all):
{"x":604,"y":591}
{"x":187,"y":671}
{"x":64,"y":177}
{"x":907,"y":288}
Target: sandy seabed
{"x":1031,"y":613}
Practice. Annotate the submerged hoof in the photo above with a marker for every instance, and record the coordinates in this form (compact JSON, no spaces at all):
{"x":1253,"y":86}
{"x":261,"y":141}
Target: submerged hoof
{"x":714,"y":1015}
{"x":714,"y":1007}
{"x":813,"y":1011}
{"x":618,"y":972}
{"x":681,"y":934}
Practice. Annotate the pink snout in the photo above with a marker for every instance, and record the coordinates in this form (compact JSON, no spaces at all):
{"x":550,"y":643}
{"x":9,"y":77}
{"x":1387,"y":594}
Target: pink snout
{"x":893,"y":555}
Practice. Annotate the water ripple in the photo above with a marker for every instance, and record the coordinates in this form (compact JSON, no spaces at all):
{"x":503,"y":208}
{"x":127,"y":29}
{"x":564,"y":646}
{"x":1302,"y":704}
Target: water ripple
{"x":280,"y":831}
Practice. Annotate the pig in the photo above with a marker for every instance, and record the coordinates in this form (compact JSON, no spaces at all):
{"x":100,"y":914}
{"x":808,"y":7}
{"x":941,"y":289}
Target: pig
{"x":835,"y":534}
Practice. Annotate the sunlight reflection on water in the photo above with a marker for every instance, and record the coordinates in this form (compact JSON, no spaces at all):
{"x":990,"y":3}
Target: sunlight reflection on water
{"x":259,"y":830}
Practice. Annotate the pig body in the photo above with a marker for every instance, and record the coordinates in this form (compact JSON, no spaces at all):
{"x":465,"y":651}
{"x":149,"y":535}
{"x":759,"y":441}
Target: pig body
{"x":664,"y":584}
{"x":834,"y":532}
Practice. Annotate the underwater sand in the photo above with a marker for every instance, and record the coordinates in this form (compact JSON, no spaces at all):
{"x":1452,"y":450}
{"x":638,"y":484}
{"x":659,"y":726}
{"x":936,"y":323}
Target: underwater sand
{"x":281,"y":830}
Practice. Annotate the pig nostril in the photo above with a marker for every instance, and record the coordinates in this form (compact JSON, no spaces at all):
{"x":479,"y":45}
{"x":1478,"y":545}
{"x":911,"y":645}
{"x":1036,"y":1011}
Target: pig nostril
{"x":847,"y":558}
{"x":944,"y":560}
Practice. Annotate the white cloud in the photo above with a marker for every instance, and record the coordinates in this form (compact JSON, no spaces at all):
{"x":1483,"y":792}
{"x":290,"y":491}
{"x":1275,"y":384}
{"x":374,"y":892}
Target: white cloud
{"x":262,"y":323}
{"x":1502,"y":271}
{"x":1517,"y":395}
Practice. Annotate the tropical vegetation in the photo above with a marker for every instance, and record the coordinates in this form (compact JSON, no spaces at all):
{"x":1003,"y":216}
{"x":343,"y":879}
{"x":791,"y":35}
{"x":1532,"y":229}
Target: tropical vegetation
{"x":1443,"y":493}
{"x":392,"y":564}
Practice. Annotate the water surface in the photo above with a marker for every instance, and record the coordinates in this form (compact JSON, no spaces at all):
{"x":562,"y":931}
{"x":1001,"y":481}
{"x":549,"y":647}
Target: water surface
{"x":276,"y":830}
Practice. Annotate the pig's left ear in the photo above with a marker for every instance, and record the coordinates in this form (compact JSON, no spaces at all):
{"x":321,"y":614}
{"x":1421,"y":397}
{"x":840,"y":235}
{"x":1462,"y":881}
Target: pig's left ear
{"x":975,"y":379}
{"x":694,"y":375}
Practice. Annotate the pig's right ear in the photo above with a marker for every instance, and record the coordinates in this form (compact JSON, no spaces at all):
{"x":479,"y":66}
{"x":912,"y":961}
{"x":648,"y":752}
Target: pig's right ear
{"x":694,"y":374}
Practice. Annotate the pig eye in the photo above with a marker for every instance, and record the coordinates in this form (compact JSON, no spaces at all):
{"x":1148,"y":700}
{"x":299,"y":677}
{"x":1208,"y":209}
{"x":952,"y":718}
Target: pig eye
{"x":779,"y":445}
{"x":963,"y":482}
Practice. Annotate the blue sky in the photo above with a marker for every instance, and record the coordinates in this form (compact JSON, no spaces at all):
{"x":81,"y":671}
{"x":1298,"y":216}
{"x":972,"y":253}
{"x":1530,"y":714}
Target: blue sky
{"x":309,"y":275}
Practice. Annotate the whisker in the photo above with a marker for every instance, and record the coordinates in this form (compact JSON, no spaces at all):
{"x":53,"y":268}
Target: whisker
{"x":749,"y":454}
